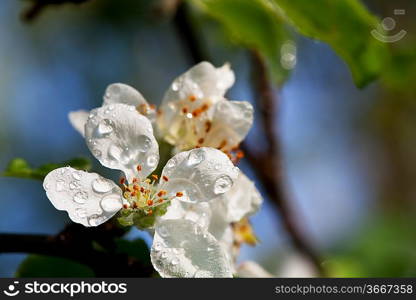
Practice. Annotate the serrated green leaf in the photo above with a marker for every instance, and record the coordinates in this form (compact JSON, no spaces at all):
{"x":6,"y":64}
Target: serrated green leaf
{"x":48,"y":266}
{"x":253,"y":24}
{"x":346,"y":26}
{"x":19,"y":167}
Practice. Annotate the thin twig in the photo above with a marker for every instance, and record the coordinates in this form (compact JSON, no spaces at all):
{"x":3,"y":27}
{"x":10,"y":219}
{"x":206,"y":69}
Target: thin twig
{"x":38,"y":6}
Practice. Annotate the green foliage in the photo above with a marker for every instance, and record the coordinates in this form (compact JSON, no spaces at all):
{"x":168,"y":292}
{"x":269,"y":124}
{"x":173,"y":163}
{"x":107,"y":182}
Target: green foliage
{"x":253,"y":24}
{"x":345,"y":25}
{"x":48,"y":266}
{"x":384,"y":248}
{"x":136,"y":248}
{"x":19,"y":167}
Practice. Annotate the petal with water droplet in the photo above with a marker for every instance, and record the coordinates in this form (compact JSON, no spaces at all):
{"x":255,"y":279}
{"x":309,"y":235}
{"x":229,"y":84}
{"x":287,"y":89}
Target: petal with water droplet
{"x":181,"y":248}
{"x":195,"y":173}
{"x":204,"y":83}
{"x":124,"y":139}
{"x":88,"y":198}
{"x":231,"y":122}
{"x":242,"y":200}
{"x":123,"y":93}
{"x":78,"y":119}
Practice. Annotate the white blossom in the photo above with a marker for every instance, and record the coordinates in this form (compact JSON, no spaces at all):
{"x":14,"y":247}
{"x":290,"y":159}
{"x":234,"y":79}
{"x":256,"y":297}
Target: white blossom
{"x":122,"y":139}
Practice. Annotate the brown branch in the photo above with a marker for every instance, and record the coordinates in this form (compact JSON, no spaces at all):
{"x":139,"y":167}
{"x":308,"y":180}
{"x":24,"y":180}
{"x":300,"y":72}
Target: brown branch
{"x":79,"y":244}
{"x":38,"y":6}
{"x":268,"y":164}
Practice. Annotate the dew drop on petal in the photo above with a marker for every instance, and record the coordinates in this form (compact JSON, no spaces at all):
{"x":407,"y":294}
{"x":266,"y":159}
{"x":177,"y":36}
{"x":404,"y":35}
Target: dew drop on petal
{"x":101,"y":185}
{"x":196,"y":157}
{"x":143,"y":143}
{"x":152,"y":160}
{"x":171,"y":163}
{"x":82,"y":213}
{"x":163,"y":231}
{"x":174,"y":261}
{"x":157,"y":247}
{"x":77,"y":175}
{"x":222,"y":184}
{"x":74,"y":185}
{"x":104,"y":128}
{"x":111,"y":203}
{"x":175,"y":86}
{"x":80,"y":197}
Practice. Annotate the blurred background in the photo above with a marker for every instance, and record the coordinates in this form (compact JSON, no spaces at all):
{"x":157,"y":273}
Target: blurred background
{"x":349,"y":153}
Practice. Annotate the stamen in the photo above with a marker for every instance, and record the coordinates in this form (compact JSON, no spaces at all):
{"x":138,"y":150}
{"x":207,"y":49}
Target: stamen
{"x":185,"y":110}
{"x":155,"y":177}
{"x":192,"y":98}
{"x":165,"y":178}
{"x":139,"y":168}
{"x":201,"y":141}
{"x":122,"y":180}
{"x":179,"y":194}
{"x":125,"y":206}
{"x":222,"y":145}
{"x":208,"y":125}
{"x":149,"y":202}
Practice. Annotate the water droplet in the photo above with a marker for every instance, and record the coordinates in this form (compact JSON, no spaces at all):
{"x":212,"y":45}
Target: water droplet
{"x":101,"y":185}
{"x":97,"y":153}
{"x":217,"y":166}
{"x":222,"y":184}
{"x":196,"y":157}
{"x":175,"y":86}
{"x":80,"y":197}
{"x":174,"y":261}
{"x":114,"y":152}
{"x":82,"y":213}
{"x":144,"y":143}
{"x":77,"y":175}
{"x":74,"y":185}
{"x":105,"y":128}
{"x":152,"y":160}
{"x":164,"y":255}
{"x":60,"y":185}
{"x":171,"y":163}
{"x":94,"y":220}
{"x":162,"y":231}
{"x":157,"y":246}
{"x":209,"y":249}
{"x":111,"y":107}
{"x":111,"y":203}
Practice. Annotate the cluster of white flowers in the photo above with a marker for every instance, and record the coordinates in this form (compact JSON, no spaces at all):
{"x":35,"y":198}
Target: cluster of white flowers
{"x":197,"y":209}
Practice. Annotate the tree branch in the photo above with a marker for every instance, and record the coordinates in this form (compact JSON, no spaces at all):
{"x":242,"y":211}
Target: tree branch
{"x":268,"y":165}
{"x":79,"y":244}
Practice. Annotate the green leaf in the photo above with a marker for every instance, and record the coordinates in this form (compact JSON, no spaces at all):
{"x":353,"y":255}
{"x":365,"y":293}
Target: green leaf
{"x":136,"y":248}
{"x":19,"y":167}
{"x":48,"y":266}
{"x":346,"y":26}
{"x":253,"y":24}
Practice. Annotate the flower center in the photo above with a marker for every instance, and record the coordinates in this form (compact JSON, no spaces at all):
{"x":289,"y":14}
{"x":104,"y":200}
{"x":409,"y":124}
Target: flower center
{"x":144,"y":195}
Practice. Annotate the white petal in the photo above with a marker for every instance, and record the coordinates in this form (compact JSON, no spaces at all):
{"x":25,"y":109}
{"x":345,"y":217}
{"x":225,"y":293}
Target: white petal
{"x":203,"y":81}
{"x":123,"y":93}
{"x":78,"y":119}
{"x":251,"y":269}
{"x":243,"y":199}
{"x":231,"y":122}
{"x":202,"y":174}
{"x":205,"y":85}
{"x":199,"y":213}
{"x":121,"y":138}
{"x":181,"y":248}
{"x":88,"y":198}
